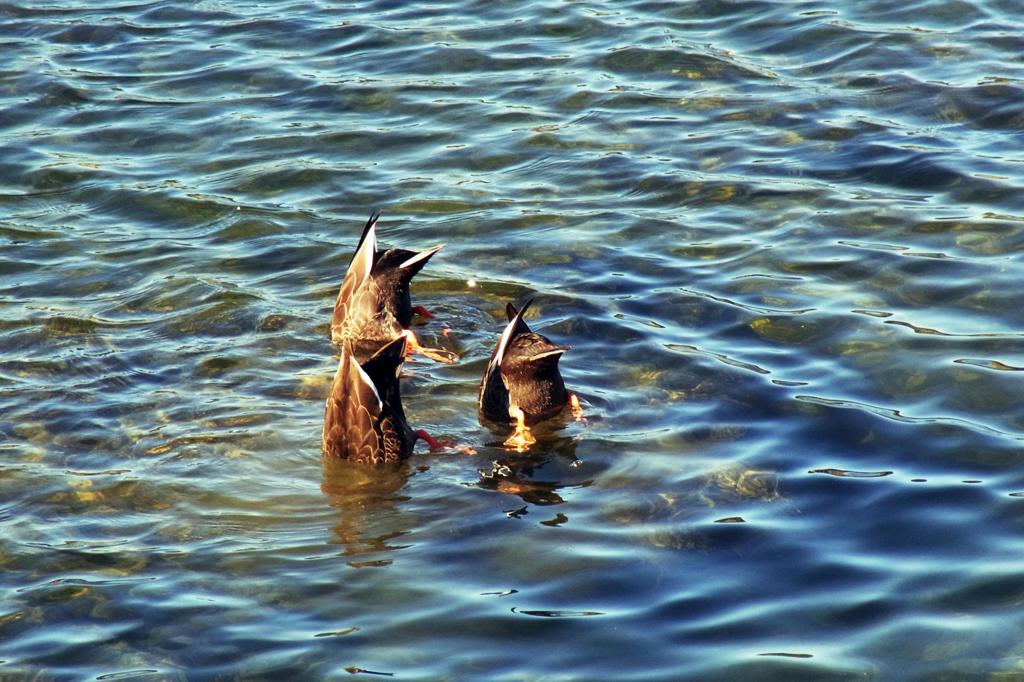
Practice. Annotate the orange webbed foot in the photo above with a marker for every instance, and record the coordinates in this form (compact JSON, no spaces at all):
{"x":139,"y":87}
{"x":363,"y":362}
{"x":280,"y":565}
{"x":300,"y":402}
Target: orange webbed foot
{"x":577,"y":409}
{"x":522,"y":438}
{"x":412,"y":345}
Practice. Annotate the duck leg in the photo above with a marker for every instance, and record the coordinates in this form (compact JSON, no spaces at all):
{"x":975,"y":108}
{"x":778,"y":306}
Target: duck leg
{"x":433,"y":443}
{"x":412,"y":345}
{"x":423,"y":312}
{"x":577,"y":410}
{"x":521,"y":439}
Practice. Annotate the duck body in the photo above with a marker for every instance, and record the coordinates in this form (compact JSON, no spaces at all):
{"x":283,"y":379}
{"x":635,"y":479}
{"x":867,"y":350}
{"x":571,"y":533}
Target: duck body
{"x":522,"y":377}
{"x":530,"y":370}
{"x":374,"y":306}
{"x":363,"y":418}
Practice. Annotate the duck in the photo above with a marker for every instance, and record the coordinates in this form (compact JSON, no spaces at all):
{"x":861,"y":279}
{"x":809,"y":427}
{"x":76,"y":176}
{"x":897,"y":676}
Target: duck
{"x":373,"y":306}
{"x":363,"y":418}
{"x":522,"y":382}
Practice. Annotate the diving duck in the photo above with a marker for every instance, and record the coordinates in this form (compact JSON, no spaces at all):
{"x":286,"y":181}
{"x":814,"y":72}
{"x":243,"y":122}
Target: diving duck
{"x":522,"y":383}
{"x":373,"y":305}
{"x":363,"y":419}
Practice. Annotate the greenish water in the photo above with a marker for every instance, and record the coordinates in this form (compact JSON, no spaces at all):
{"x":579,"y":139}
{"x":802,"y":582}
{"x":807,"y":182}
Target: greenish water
{"x":783,"y":238}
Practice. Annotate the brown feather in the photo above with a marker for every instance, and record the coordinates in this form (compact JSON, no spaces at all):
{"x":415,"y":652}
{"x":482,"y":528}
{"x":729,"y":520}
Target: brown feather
{"x":358,"y":273}
{"x":363,"y":417}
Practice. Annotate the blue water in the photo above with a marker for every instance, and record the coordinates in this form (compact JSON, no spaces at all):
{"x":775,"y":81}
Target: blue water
{"x":785,"y":240}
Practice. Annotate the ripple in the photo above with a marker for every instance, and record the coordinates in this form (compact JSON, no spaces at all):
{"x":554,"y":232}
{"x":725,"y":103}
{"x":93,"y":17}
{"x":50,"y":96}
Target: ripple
{"x":846,"y":473}
{"x":936,"y":332}
{"x":989,"y":364}
{"x":722,"y":358}
{"x":897,"y":415}
{"x":129,"y":674}
{"x":353,"y":670}
{"x":556,"y":614}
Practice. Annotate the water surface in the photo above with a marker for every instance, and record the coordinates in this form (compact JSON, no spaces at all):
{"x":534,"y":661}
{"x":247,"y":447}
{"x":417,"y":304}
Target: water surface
{"x":783,"y":238}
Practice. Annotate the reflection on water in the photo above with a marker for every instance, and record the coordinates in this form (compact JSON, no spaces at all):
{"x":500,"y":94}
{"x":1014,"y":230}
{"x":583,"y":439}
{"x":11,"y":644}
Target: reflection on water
{"x":527,"y":475}
{"x":783,"y":240}
{"x":362,"y":495}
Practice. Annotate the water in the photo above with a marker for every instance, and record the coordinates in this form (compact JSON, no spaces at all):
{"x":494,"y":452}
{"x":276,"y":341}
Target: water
{"x":784,"y":239}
